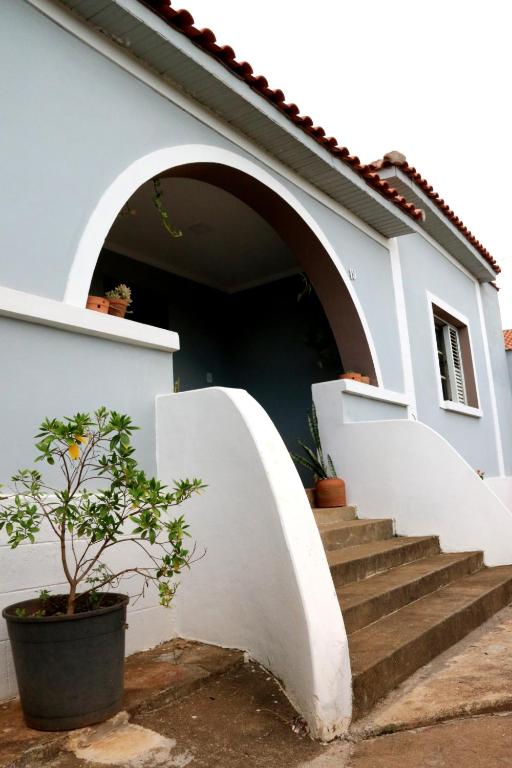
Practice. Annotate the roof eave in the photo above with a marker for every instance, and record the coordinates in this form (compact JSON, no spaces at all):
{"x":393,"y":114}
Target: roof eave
{"x":142,"y":33}
{"x":439,"y":227}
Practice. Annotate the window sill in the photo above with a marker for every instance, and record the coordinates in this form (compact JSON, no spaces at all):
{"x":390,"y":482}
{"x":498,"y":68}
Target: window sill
{"x":465,"y":410}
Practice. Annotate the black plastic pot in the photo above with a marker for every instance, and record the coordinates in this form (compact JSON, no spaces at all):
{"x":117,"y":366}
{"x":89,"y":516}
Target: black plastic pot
{"x":69,"y":668}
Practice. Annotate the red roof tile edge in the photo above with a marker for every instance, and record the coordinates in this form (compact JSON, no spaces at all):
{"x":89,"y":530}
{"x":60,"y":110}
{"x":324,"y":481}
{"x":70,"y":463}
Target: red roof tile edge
{"x":507,"y":338}
{"x":205,"y":39}
{"x":428,"y":190}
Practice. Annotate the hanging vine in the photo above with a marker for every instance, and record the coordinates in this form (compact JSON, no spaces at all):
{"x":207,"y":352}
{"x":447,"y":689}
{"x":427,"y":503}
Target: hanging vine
{"x":164,"y":216}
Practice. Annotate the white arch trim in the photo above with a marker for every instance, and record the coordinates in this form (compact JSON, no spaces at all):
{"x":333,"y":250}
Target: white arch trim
{"x":143,"y":169}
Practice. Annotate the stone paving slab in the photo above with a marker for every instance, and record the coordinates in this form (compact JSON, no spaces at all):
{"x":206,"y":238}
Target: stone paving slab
{"x":472,"y":677}
{"x":152,"y":679}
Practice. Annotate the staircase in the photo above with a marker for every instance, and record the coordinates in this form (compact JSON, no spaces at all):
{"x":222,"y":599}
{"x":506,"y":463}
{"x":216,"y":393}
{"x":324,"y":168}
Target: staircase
{"x":403,"y":600}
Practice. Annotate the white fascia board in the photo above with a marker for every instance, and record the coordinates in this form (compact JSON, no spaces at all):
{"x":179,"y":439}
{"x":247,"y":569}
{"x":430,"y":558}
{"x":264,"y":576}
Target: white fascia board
{"x":431,"y":209}
{"x":55,"y":314}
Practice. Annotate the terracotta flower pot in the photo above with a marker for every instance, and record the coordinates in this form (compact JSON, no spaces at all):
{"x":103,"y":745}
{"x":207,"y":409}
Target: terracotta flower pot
{"x":98,"y":304}
{"x":365,"y":379}
{"x":350,"y":375}
{"x":118,"y":307}
{"x":330,"y":493}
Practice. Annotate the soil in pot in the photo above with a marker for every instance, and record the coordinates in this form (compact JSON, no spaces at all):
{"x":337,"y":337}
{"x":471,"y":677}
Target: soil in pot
{"x":98,"y":304}
{"x":118,"y":307}
{"x":69,"y":669}
{"x":330,"y":492}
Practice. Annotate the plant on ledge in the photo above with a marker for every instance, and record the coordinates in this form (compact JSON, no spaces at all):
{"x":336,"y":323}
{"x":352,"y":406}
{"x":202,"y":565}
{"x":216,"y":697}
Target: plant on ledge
{"x":120,"y":299}
{"x":329,"y":488}
{"x":129,"y":507}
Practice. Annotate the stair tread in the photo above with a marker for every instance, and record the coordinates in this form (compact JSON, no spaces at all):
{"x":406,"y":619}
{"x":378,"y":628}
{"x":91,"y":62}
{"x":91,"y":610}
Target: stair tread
{"x":358,"y":592}
{"x":384,"y":637}
{"x":361,"y":551}
{"x":346,"y":524}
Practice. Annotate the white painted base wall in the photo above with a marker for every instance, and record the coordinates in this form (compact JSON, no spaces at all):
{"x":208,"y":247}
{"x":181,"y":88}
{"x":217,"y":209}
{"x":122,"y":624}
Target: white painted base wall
{"x":502,"y":487}
{"x":405,"y":470}
{"x":264,"y":585}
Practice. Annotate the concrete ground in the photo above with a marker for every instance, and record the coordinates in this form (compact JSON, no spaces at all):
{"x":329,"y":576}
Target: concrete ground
{"x":201,"y":706}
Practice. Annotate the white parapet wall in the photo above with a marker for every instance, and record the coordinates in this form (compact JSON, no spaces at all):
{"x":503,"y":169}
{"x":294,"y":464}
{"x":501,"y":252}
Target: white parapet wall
{"x":405,"y":470}
{"x":263,"y":585}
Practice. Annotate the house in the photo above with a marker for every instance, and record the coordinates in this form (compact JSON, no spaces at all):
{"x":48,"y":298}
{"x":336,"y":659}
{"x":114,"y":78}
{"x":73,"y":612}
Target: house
{"x":289,"y":261}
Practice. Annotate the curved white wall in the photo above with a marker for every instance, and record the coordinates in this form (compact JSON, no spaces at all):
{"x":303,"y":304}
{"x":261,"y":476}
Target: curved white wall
{"x":264,"y":585}
{"x":405,"y":470}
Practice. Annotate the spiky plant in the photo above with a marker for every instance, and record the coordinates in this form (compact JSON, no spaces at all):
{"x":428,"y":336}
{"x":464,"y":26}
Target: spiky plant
{"x":313,"y":459}
{"x":121,"y":291}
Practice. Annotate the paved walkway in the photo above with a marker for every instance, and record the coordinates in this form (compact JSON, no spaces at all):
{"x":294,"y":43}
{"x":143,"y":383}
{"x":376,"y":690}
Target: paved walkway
{"x":201,"y":706}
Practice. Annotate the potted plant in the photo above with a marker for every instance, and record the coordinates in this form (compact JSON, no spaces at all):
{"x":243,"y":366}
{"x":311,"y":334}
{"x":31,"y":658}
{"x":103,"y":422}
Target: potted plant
{"x":69,"y":648}
{"x":120,"y":299}
{"x":98,"y":304}
{"x":329,"y":488}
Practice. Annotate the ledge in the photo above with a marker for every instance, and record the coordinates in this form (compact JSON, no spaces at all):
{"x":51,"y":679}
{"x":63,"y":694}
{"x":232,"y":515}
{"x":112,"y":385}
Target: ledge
{"x":55,"y":314}
{"x":357,"y":388}
{"x":465,"y":410}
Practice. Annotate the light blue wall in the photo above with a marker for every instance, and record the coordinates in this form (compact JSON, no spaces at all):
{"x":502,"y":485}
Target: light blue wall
{"x":501,"y":363}
{"x":75,"y":122}
{"x":54,"y":373}
{"x":424,"y":268}
{"x":373,"y":286}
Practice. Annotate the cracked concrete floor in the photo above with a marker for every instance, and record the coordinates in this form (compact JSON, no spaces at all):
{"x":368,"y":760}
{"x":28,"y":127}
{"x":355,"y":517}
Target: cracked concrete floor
{"x":241,"y":719}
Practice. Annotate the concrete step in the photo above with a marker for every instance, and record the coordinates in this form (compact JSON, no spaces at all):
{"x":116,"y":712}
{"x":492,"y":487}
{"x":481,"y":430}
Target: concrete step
{"x":364,"y":602}
{"x":348,"y":533}
{"x":388,"y":651}
{"x":334,"y":514}
{"x":355,"y":563}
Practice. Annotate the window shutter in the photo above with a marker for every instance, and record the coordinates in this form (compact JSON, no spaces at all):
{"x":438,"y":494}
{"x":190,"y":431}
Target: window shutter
{"x":454,"y":360}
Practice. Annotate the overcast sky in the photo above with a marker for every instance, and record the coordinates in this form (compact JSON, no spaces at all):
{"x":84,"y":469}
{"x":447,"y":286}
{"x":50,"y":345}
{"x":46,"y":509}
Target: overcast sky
{"x":432,"y":81}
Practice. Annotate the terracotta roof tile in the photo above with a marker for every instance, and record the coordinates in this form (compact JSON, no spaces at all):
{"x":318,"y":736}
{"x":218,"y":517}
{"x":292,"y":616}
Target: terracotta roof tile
{"x":184,"y":22}
{"x":507,"y":337}
{"x":429,"y":191}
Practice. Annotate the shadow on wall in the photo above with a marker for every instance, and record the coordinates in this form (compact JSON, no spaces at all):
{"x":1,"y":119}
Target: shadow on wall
{"x":264,"y":340}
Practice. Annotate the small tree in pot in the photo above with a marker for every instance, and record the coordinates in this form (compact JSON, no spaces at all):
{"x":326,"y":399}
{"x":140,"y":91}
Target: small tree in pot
{"x":329,"y":488}
{"x":69,"y":648}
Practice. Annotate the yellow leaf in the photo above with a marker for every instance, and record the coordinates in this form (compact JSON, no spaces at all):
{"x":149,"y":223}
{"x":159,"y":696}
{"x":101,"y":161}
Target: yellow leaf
{"x":81,"y":438}
{"x":74,"y":451}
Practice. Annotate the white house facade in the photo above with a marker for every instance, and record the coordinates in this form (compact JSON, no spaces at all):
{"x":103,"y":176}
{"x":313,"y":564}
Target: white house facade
{"x":295,"y":263}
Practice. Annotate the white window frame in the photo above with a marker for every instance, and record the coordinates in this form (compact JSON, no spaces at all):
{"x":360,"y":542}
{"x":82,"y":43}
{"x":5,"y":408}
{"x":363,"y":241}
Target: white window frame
{"x":451,"y":405}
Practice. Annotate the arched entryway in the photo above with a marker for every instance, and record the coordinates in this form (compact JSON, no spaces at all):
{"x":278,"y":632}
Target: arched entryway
{"x":258,"y":298}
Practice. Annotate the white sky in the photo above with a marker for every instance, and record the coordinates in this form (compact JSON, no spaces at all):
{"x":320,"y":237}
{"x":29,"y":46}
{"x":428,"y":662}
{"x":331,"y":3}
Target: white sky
{"x":432,"y":80}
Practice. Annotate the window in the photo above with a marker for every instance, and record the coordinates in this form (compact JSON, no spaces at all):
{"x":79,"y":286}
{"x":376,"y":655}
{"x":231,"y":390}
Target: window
{"x":454,"y":359}
{"x":450,"y":362}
